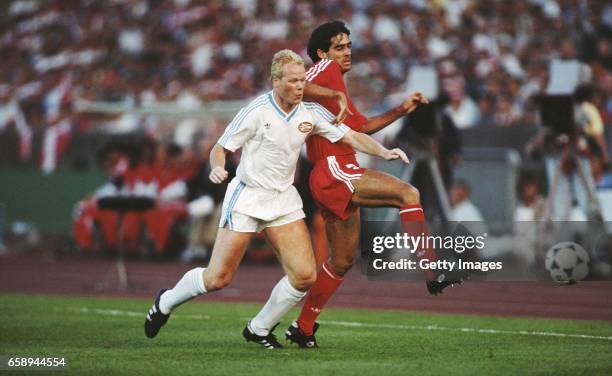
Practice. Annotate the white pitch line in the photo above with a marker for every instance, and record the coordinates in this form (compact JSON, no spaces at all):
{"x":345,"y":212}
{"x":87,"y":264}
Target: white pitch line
{"x":118,"y":312}
{"x":465,"y":330}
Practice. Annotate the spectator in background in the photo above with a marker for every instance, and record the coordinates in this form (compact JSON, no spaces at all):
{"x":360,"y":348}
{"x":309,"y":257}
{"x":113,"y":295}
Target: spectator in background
{"x":11,"y":113}
{"x":486,"y":105}
{"x":137,"y":166}
{"x":449,"y":149}
{"x":529,"y":211}
{"x":531,"y":202}
{"x":463,"y":210}
{"x":461,"y":108}
{"x":205,"y":199}
{"x":438,"y":138}
{"x":590,"y":120}
{"x":507,"y":113}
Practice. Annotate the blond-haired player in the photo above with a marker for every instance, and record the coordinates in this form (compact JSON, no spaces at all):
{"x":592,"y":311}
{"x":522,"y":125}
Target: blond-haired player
{"x":271,"y":131}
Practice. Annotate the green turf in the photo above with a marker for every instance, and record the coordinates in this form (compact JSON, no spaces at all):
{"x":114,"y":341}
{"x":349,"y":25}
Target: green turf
{"x":105,"y":336}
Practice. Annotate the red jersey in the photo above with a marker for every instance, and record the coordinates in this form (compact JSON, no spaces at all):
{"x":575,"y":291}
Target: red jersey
{"x":327,"y":73}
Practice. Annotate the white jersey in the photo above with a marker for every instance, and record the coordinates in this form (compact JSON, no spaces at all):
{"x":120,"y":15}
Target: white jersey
{"x":271,"y":139}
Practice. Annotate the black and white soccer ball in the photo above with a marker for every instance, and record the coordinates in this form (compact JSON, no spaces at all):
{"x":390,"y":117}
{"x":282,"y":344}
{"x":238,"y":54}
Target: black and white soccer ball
{"x":567,"y":262}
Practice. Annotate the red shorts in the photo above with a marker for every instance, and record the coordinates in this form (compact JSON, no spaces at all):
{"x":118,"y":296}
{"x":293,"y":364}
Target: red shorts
{"x":331,"y":185}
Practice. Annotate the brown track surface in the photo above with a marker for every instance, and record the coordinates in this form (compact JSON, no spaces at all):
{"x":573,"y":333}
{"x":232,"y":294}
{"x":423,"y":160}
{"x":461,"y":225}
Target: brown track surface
{"x":37,"y":274}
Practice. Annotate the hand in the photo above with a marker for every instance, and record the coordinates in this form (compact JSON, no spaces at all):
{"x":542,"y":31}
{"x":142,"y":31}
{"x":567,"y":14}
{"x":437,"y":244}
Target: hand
{"x":218,"y":175}
{"x":413,"y":101}
{"x":344,"y":109}
{"x":396,"y":154}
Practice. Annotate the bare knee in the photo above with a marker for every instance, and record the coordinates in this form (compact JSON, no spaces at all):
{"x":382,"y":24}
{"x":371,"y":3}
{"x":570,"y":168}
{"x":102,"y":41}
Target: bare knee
{"x":303,"y":280}
{"x":343,"y":239}
{"x":343,"y":257}
{"x":342,"y":265}
{"x":409,"y":195}
{"x":217,"y":281}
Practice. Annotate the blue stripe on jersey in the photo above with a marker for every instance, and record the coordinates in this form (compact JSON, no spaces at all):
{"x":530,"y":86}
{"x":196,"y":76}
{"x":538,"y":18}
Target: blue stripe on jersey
{"x":237,"y":122}
{"x":280,"y":112}
{"x":292,"y":113}
{"x":325,"y":114}
{"x":343,"y":128}
{"x":322,"y":110}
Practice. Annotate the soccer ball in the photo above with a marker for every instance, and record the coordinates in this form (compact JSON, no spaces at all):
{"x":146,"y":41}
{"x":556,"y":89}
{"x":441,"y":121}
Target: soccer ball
{"x":567,"y":262}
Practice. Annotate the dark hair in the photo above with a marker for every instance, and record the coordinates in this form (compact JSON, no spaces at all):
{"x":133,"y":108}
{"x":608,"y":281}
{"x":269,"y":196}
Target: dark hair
{"x":463,"y":184}
{"x":583,"y":93}
{"x":320,"y":39}
{"x":526,"y":177}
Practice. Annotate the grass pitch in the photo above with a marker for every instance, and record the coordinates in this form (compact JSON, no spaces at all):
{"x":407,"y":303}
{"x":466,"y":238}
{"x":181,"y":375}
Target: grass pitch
{"x":105,"y":336}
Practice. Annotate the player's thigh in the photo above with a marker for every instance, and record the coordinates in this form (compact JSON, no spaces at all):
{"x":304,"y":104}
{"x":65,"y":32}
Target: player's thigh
{"x":227,"y":253}
{"x":292,"y":243}
{"x":343,"y":238}
{"x":379,"y":189}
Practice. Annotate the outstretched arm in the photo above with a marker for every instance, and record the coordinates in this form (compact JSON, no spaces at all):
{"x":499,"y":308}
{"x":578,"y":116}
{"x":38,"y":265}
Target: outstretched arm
{"x":314,"y":93}
{"x":377,"y":123}
{"x":368,"y":145}
{"x":217,"y":164}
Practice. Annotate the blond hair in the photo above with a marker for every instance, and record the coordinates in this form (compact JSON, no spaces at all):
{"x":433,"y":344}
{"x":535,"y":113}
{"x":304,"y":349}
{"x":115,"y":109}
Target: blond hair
{"x":282,"y":58}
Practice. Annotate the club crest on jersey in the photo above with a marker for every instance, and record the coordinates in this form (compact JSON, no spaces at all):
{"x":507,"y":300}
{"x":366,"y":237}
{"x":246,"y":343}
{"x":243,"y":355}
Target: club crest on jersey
{"x":305,"y":127}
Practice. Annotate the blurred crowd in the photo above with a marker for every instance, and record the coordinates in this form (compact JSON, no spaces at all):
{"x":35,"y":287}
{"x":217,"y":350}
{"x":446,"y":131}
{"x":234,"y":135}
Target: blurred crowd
{"x":492,"y":56}
{"x":174,"y":183}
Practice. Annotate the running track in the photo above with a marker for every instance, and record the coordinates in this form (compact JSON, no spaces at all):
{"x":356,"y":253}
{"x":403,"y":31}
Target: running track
{"x":37,"y":274}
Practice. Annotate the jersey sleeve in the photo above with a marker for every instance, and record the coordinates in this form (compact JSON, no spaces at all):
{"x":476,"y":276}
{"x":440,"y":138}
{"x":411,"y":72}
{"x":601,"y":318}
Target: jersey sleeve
{"x":240,"y":129}
{"x":323,"y":126}
{"x":327,"y":73}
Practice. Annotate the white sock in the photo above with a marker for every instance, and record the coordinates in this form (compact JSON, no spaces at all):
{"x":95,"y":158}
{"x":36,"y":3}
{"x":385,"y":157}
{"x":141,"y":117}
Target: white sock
{"x":188,"y":287}
{"x":282,"y":299}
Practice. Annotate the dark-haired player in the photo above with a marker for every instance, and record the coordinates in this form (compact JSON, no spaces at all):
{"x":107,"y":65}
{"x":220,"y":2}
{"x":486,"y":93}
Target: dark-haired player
{"x":340,"y":186}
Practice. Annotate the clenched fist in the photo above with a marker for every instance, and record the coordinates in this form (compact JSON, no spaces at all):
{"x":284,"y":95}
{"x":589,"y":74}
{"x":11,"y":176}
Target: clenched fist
{"x":218,"y":175}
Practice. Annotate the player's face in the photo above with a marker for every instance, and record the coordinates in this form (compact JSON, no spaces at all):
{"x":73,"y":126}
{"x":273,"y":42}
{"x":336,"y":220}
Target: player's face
{"x":290,"y":86}
{"x":340,"y":51}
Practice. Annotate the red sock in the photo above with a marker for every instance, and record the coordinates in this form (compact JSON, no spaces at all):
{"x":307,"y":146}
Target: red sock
{"x":413,"y":220}
{"x":326,"y":284}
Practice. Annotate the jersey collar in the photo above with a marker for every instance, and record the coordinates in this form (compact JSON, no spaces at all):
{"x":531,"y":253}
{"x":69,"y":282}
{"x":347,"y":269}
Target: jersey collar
{"x":286,"y":116}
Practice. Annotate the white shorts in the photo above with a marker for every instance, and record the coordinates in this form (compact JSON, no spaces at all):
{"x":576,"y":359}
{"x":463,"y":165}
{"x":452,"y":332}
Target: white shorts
{"x":251,"y":209}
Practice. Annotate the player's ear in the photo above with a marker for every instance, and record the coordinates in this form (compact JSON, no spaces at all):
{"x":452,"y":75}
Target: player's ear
{"x":322,"y":54}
